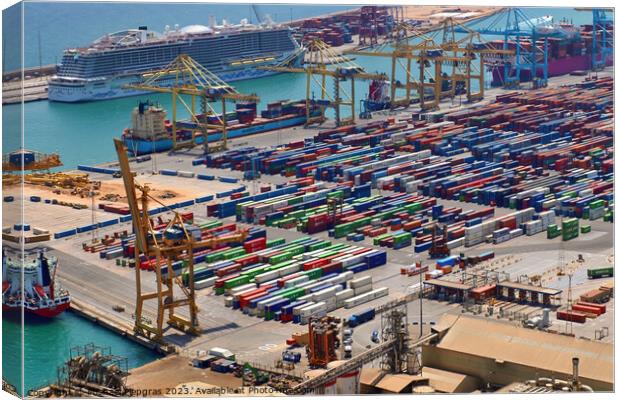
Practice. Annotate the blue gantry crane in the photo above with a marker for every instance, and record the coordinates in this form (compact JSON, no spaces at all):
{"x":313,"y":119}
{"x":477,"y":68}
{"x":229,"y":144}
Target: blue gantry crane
{"x":530,"y":39}
{"x":602,"y":37}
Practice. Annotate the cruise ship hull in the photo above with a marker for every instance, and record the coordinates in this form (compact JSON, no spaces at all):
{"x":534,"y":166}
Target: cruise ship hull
{"x":112,"y":88}
{"x":138,"y":146}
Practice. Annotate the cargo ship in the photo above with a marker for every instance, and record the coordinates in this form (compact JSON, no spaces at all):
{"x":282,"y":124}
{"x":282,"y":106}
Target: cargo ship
{"x":232,"y":52}
{"x":378,"y":96}
{"x":36,"y":290}
{"x":151,"y":132}
{"x":569,"y":51}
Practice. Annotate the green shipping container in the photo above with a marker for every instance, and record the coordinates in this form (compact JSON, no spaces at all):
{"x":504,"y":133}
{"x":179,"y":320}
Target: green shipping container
{"x":209,"y":225}
{"x":375,"y":241}
{"x":402,"y":237}
{"x":320,"y":245}
{"x":280,"y":258}
{"x":275,"y":242}
{"x":314,"y":273}
{"x":232,"y":253}
{"x":238,"y":281}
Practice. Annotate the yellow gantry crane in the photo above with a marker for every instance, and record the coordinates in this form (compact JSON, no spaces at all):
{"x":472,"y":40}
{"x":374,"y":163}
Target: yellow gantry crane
{"x":403,"y":55}
{"x":316,"y":68}
{"x":192,"y":79}
{"x":174,"y":243}
{"x":430,"y":56}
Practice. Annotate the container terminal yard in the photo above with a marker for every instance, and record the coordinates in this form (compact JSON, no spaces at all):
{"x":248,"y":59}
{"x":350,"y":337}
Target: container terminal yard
{"x":423,"y":245}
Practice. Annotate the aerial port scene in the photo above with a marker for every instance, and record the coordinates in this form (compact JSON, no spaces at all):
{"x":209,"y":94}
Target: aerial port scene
{"x":205,"y":199}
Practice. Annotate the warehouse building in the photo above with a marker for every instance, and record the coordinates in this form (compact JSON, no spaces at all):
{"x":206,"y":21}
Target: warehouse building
{"x":500,"y":354}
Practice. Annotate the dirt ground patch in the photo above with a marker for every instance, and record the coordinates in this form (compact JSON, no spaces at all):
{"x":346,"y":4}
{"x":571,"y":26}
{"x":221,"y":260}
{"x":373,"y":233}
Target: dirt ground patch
{"x":167,"y":373}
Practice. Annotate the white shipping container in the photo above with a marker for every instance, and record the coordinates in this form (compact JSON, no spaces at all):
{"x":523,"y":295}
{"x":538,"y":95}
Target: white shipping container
{"x":326,"y":293}
{"x":237,"y":291}
{"x":455,"y":243}
{"x":362,"y":289}
{"x":296,"y":281}
{"x":290,"y":269}
{"x":380,"y":292}
{"x":366,"y":297}
{"x":516,"y":233}
{"x":307,"y":311}
{"x":330,"y":304}
{"x":267,"y":276}
{"x":297,"y":310}
{"x":361,"y":281}
{"x":343,"y":295}
{"x":205,"y":283}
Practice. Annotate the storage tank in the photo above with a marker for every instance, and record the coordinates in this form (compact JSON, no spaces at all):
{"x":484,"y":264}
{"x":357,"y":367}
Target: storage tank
{"x":347,"y":383}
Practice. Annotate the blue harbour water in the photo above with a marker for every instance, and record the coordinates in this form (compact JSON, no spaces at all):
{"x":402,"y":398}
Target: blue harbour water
{"x":48,"y":342}
{"x":82,"y":134}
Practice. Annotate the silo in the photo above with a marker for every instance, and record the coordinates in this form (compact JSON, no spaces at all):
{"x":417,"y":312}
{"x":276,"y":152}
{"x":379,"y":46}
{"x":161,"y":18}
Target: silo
{"x":347,"y":383}
{"x":328,"y":389}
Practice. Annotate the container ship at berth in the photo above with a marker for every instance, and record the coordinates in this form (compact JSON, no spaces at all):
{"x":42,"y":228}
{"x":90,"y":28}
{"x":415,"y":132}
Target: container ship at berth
{"x":151,"y":132}
{"x":570,"y":51}
{"x":40,"y":294}
{"x":232,"y":52}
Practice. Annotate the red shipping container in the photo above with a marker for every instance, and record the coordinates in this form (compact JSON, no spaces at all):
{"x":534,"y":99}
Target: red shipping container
{"x":411,"y":225}
{"x":510,"y":222}
{"x":602,"y":307}
{"x":335,"y":266}
{"x":188,"y":216}
{"x":247,"y":260}
{"x":254,"y":245}
{"x":573,"y":316}
{"x":221,"y":272}
{"x":377,"y":231}
{"x":315,"y":264}
{"x":590,"y":310}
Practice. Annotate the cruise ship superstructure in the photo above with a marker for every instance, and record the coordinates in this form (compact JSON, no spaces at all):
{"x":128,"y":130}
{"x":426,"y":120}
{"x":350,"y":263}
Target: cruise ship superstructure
{"x":233,"y":52}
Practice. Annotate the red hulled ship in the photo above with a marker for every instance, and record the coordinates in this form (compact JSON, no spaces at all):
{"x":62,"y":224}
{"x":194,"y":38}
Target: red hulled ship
{"x":37,"y":291}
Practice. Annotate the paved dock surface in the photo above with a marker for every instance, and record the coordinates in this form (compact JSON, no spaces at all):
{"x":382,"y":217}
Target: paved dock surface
{"x":32,"y":89}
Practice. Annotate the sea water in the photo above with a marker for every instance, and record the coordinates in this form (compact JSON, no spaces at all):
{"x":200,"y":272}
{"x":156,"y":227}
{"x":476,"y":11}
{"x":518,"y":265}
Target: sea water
{"x":47,"y":345}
